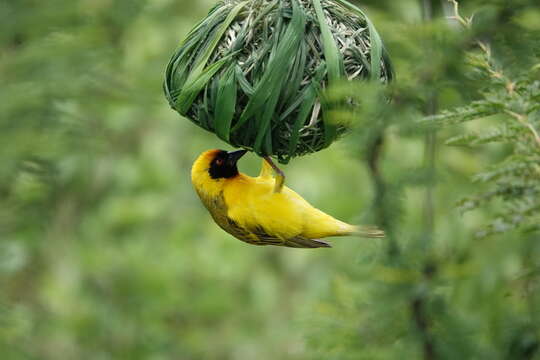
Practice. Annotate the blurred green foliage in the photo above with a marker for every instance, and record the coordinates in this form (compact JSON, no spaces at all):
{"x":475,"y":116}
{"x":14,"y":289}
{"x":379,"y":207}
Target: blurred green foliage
{"x":106,"y":252}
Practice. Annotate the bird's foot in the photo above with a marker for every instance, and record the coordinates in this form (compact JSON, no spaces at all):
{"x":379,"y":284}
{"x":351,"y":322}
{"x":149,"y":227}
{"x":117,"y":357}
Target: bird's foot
{"x":280,"y":175}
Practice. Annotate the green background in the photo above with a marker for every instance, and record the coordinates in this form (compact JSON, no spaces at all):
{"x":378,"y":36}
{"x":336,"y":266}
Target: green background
{"x":107,"y":253}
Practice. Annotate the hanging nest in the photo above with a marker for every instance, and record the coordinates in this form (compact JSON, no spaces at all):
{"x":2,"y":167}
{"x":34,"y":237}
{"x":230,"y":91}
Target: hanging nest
{"x":253,"y":72}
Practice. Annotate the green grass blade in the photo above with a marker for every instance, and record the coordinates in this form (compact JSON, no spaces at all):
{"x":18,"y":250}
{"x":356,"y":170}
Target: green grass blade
{"x":225,"y":104}
{"x":191,"y":89}
{"x":378,"y":51}
{"x":303,"y":113}
{"x":243,"y":82}
{"x":334,"y":64}
{"x":332,"y":56}
{"x":199,"y":75}
{"x":274,"y":76}
{"x":265,"y":121}
{"x":178,"y":69}
{"x":205,"y":56}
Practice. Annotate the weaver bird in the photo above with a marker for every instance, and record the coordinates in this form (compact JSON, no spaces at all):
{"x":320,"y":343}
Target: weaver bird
{"x":261,"y":210}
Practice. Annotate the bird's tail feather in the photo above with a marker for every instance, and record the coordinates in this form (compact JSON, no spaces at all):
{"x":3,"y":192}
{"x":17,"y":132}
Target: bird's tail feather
{"x":368,"y":231}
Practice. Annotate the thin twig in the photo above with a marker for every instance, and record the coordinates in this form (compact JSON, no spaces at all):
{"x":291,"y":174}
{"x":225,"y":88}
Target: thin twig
{"x":522,"y":119}
{"x":466,"y":22}
{"x":497,"y":74}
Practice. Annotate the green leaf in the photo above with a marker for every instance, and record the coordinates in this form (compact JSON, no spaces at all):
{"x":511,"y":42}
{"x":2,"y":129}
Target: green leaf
{"x":334,"y":64}
{"x":205,"y":56}
{"x":199,"y":75}
{"x":191,"y":89}
{"x":262,"y":104}
{"x":179,"y":66}
{"x":305,"y":109}
{"x":225,"y":104}
{"x":378,"y":51}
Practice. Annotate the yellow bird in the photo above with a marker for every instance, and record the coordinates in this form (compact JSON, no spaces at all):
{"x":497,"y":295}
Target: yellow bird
{"x":260,"y":210}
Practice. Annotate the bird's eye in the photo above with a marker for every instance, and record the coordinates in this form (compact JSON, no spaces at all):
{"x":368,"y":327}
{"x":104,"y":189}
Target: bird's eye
{"x":219,"y":162}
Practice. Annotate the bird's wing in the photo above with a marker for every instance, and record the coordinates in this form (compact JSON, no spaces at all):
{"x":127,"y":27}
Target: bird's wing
{"x":302,"y":242}
{"x":258,"y":209}
{"x":272,"y":219}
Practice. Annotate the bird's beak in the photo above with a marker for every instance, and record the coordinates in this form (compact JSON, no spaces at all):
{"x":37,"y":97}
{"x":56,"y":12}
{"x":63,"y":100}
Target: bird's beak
{"x":234,"y":156}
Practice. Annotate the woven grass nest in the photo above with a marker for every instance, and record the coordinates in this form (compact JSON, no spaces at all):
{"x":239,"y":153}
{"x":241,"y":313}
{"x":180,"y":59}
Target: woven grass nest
{"x":254,"y":72}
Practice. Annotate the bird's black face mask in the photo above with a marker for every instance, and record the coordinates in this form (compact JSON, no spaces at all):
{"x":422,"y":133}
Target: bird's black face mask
{"x":224,"y":164}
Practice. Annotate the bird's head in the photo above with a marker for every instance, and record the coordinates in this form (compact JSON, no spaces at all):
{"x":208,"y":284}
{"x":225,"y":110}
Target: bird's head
{"x":213,"y":167}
